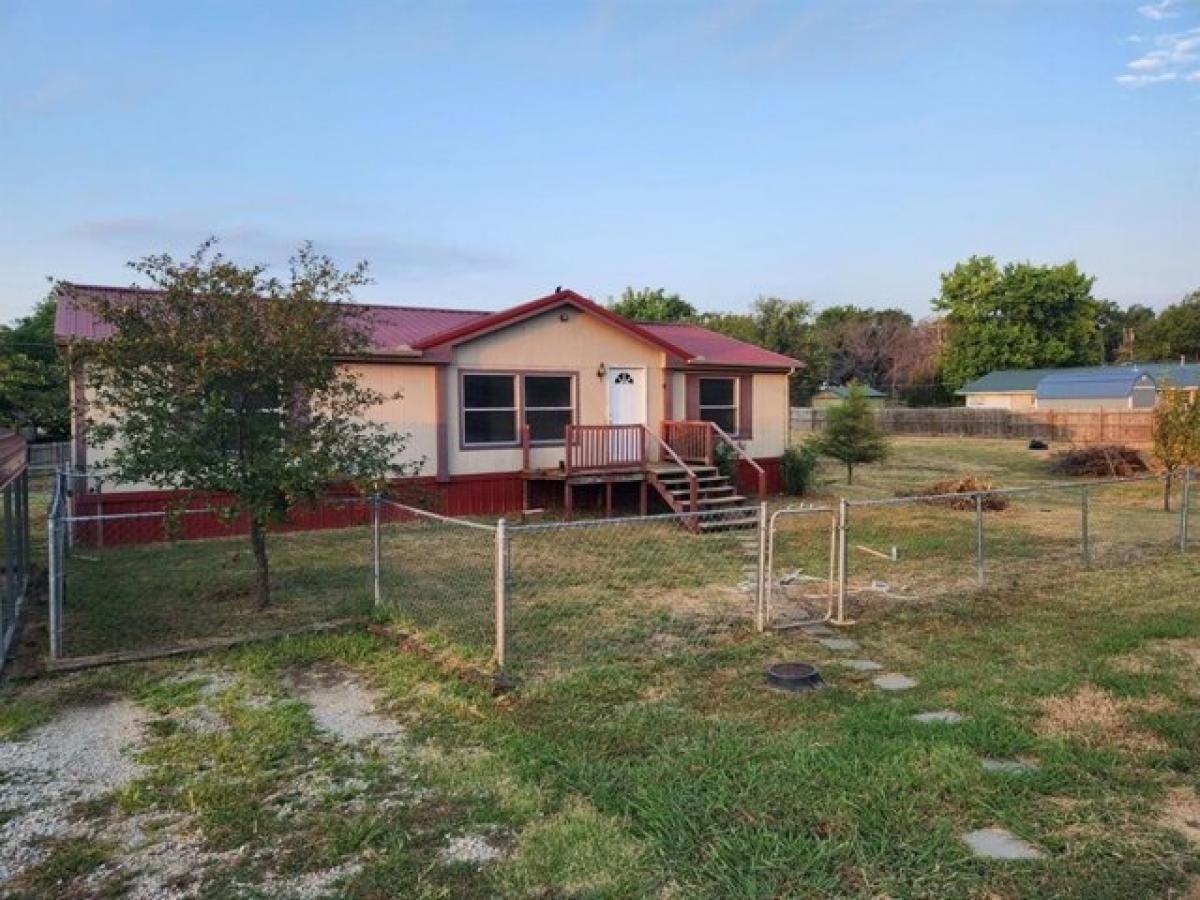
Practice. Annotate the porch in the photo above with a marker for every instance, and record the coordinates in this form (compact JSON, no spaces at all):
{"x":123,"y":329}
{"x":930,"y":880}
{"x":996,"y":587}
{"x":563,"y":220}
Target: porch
{"x":680,"y":465}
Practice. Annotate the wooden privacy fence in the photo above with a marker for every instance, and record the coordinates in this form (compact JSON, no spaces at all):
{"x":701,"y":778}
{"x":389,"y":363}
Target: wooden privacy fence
{"x":1100,"y":426}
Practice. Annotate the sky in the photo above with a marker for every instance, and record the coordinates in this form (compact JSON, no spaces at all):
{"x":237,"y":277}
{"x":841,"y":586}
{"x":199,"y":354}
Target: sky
{"x":481,"y":154}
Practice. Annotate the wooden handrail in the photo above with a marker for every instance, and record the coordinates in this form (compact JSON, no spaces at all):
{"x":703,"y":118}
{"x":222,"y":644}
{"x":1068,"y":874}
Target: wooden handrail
{"x":693,"y":481}
{"x":692,"y":436}
{"x":762,"y":475}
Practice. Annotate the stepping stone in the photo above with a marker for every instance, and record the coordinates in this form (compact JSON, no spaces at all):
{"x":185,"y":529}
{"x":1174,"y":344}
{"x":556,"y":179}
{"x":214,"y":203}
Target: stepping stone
{"x":838,"y":644}
{"x":940,"y":717}
{"x":818,"y":630}
{"x":996,"y":843}
{"x":1008,"y":766}
{"x":894,"y":682}
{"x":861,"y":665}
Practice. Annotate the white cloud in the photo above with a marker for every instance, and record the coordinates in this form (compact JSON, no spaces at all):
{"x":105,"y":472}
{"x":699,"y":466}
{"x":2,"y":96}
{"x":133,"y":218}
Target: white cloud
{"x":1156,"y":12}
{"x":1174,"y":57}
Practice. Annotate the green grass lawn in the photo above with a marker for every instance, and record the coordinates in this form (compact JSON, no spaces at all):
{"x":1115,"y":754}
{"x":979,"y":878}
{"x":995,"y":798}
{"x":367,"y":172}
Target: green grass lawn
{"x":674,"y":771}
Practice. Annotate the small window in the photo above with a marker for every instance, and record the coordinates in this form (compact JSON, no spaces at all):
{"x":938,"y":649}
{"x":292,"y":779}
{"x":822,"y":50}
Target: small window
{"x":549,"y":407}
{"x":489,"y":409}
{"x":718,"y":403}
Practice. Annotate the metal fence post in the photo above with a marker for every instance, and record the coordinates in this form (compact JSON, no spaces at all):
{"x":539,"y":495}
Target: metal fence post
{"x":54,"y":552}
{"x":1085,"y":543}
{"x":1184,"y":503}
{"x":376,"y":554}
{"x":764,"y":574}
{"x":979,"y":572}
{"x":501,"y":623}
{"x":843,"y":557}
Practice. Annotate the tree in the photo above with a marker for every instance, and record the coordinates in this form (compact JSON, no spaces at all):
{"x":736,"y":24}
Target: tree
{"x":1123,"y":330}
{"x":1176,"y":434}
{"x":227,"y":381}
{"x":33,"y":379}
{"x":652,"y":305}
{"x":1022,"y":317}
{"x":851,"y":434}
{"x":784,"y":326}
{"x":1174,"y":333}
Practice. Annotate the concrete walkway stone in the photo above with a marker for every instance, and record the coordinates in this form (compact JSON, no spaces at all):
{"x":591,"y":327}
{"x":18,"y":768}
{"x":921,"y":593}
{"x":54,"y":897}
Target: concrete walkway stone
{"x":861,"y":665}
{"x":996,"y":843}
{"x":939,"y":717}
{"x":839,"y":644}
{"x":818,"y":630}
{"x":894,"y":682}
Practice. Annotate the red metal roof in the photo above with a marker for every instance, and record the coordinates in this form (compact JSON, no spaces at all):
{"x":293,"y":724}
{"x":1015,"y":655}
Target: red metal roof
{"x":405,"y":329}
{"x":708,"y":347}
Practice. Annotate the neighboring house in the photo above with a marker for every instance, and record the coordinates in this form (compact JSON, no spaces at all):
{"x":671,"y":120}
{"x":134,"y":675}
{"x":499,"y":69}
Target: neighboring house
{"x":1017,"y":389}
{"x":832,"y":394}
{"x":1115,"y":387}
{"x":525,"y":406}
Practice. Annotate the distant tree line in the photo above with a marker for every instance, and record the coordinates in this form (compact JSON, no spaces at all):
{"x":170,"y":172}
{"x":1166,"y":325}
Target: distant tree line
{"x":986,"y":316}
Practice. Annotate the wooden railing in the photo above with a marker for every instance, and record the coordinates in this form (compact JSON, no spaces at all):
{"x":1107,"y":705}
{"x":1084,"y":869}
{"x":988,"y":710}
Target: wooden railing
{"x":742,"y":454}
{"x":691,"y":440}
{"x":594,"y":448}
{"x":693,"y":481}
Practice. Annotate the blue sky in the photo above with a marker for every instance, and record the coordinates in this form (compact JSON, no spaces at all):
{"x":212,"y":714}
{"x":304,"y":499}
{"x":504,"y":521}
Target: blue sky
{"x":478,"y":154}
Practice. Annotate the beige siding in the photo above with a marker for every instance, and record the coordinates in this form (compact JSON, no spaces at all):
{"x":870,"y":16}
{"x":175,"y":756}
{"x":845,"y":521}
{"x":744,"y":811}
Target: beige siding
{"x":771,"y":414}
{"x":580,"y":345}
{"x":1018,"y":401}
{"x":413,"y":413}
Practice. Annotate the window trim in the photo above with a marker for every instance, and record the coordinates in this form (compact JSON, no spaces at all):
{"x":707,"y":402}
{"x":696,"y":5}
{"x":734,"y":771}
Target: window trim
{"x":463,"y":409}
{"x":735,"y":380}
{"x":519,"y":376}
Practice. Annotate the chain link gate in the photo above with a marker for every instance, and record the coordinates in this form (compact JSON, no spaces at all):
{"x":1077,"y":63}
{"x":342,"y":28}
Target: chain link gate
{"x":800,"y":539}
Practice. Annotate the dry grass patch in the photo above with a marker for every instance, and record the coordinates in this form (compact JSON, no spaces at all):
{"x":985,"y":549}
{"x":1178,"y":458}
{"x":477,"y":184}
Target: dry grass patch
{"x":1181,"y":813}
{"x":1096,"y":718}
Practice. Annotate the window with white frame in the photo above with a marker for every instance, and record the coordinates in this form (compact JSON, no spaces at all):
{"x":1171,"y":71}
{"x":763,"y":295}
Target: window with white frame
{"x":489,"y":410}
{"x":718,"y":403}
{"x":549,"y":407}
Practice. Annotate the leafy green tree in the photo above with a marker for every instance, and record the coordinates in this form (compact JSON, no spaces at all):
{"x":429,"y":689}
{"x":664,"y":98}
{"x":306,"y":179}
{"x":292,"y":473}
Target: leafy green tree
{"x":1176,"y":434}
{"x":33,"y":379}
{"x":652,"y":305}
{"x":736,"y":325}
{"x":1174,"y":333}
{"x":1118,"y":323}
{"x":227,"y":381}
{"x":851,"y":434}
{"x":1021,"y":316}
{"x":784,"y":326}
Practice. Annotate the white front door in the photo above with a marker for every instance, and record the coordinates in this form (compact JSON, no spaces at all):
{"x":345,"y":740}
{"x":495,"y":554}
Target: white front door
{"x":626,"y":396}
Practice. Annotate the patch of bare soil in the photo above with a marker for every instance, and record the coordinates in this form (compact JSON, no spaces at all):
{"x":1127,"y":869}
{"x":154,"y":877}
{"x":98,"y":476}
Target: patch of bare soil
{"x":1181,"y":813}
{"x":82,"y":754}
{"x":1096,"y":718}
{"x":341,"y":705}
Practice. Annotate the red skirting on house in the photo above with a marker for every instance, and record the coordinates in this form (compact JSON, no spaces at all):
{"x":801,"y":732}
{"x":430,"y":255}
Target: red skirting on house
{"x":490,"y":494}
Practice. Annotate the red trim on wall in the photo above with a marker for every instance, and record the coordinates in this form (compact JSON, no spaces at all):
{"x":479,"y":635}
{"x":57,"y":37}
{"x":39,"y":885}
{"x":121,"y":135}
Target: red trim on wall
{"x":487,"y":494}
{"x":441,"y":377}
{"x":745,"y":407}
{"x":692,"y":396}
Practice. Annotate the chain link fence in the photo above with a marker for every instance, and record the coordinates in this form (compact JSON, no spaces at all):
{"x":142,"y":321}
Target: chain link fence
{"x":537,"y":597}
{"x":915,"y":548}
{"x":16,"y":552}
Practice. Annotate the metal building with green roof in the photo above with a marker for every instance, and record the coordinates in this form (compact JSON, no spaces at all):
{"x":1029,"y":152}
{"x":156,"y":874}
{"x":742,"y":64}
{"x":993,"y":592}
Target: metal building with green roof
{"x":1098,"y":387}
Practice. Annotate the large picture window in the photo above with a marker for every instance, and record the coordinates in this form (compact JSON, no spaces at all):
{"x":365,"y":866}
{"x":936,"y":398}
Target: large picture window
{"x":718,"y":403}
{"x":489,"y":409}
{"x":549,"y":407}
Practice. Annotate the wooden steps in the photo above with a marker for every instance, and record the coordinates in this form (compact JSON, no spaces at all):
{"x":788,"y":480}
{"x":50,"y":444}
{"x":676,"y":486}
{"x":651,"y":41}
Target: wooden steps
{"x":716,"y":496}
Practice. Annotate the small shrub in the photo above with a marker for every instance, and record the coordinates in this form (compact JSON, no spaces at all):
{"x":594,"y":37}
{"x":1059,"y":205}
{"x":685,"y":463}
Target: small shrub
{"x":797,"y":468}
{"x":1100,"y":461}
{"x":725,"y":458}
{"x":967,"y":485}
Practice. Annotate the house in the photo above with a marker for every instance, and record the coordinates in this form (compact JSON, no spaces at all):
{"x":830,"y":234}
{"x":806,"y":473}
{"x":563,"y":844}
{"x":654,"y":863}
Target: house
{"x":554,"y":401}
{"x":832,"y":394}
{"x":1112,"y":387}
{"x":1017,"y":389}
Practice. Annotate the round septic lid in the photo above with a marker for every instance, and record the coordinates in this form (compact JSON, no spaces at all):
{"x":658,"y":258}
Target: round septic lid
{"x":793,"y":676}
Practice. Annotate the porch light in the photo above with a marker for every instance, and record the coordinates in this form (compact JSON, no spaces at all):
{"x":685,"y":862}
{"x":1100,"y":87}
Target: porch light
{"x":602,"y":371}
